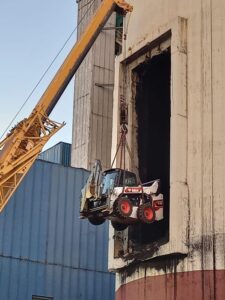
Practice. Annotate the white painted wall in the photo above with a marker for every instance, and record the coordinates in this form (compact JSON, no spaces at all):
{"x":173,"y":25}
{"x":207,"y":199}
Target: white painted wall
{"x":198,"y":111}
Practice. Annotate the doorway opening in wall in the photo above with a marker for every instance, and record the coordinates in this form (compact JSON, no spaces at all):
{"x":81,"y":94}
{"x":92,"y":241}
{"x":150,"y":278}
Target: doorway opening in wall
{"x":152,"y":105}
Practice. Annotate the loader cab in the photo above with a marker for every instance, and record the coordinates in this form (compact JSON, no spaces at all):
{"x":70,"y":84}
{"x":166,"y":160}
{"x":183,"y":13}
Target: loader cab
{"x":117,"y":178}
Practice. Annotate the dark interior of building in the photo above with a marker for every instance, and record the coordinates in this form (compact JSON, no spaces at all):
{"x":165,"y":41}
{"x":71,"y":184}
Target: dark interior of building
{"x":153,"y":138}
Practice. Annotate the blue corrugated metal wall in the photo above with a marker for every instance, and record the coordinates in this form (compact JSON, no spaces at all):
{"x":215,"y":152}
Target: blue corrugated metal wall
{"x":45,"y":249}
{"x":60,"y":154}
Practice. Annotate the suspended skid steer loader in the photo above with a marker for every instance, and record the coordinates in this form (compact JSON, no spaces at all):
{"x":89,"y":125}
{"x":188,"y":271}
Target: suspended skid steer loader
{"x":115,"y":195}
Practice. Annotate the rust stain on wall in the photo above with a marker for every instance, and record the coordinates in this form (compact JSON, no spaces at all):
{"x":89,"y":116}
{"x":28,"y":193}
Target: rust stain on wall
{"x":195,"y":285}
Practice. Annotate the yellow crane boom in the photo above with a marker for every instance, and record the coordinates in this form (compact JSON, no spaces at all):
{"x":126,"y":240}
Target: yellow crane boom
{"x":25,"y":141}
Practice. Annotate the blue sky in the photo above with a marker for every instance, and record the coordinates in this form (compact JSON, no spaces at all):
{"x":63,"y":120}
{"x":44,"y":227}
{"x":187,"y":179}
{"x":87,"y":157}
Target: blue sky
{"x":31,"y":34}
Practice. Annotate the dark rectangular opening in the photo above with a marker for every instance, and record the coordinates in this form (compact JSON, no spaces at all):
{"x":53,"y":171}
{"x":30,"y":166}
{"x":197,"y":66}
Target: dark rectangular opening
{"x":152,"y":104}
{"x":34,"y":297}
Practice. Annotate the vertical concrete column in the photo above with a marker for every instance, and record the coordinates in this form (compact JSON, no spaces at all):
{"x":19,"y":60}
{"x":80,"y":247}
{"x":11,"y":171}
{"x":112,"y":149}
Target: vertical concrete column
{"x":178,"y":139}
{"x":93,"y":95}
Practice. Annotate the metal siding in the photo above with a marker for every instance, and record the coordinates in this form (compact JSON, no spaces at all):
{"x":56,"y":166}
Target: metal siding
{"x":45,"y":249}
{"x":60,"y":154}
{"x":22,"y":279}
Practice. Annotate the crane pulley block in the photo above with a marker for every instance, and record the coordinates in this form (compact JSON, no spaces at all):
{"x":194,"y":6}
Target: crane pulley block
{"x":123,"y":111}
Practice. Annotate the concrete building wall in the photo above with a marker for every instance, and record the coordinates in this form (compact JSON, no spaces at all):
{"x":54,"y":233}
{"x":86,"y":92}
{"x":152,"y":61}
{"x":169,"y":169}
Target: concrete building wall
{"x":93,"y":96}
{"x":191,"y":264}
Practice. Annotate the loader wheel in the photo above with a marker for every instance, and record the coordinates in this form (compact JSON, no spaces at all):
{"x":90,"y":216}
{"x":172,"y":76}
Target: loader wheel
{"x":124,"y":207}
{"x":119,"y":226}
{"x":96,"y":220}
{"x":146,"y":213}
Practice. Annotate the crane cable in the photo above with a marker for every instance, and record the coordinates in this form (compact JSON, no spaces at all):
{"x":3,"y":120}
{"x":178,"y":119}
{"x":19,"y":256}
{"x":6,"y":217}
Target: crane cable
{"x":123,"y":144}
{"x":48,"y":68}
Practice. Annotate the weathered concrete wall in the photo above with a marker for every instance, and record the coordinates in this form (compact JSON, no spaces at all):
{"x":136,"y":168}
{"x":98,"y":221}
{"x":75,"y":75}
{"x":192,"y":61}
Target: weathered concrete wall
{"x":195,"y":251}
{"x":93,"y":96}
{"x":196,"y":285}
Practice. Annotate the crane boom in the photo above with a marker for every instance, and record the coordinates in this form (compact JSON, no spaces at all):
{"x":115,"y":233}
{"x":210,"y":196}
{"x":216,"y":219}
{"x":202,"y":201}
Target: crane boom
{"x":25,"y":141}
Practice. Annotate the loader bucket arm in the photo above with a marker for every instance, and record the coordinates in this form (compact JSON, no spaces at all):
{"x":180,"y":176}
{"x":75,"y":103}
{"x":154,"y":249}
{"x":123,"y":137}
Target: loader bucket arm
{"x":92,"y":186}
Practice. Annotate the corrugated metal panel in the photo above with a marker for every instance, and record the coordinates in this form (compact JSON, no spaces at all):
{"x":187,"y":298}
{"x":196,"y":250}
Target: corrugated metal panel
{"x":20,"y":279}
{"x":60,"y":154}
{"x":44,"y":247}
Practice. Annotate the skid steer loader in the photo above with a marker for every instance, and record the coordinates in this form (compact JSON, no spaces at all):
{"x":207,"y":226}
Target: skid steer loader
{"x":116,"y":195}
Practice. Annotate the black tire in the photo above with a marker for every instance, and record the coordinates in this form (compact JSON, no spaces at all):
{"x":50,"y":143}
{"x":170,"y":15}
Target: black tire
{"x":96,"y":220}
{"x":119,"y":226}
{"x":123,"y":207}
{"x":146,"y":213}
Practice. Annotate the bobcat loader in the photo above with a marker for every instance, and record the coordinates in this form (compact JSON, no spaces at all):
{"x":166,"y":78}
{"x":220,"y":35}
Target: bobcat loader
{"x":115,"y":195}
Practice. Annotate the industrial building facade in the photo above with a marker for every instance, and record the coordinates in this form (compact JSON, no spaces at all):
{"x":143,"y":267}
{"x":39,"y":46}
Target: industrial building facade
{"x":171,"y":73}
{"x":46,"y":251}
{"x":93,"y":94}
